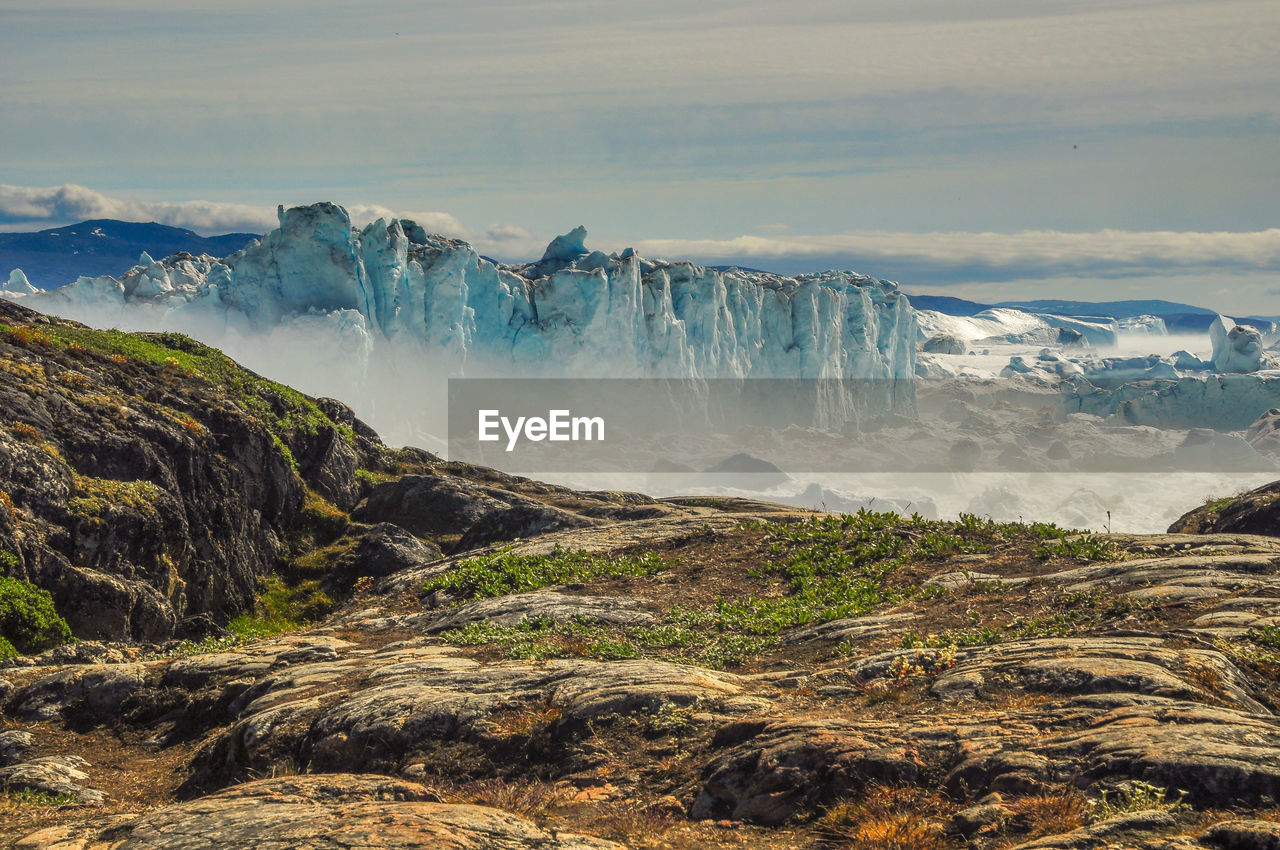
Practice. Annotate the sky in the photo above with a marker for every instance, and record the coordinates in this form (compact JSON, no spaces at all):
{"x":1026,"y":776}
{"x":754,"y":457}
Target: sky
{"x":989,"y":149}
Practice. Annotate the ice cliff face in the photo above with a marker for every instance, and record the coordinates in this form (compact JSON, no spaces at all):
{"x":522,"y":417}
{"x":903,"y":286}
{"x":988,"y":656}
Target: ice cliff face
{"x":340,"y":296}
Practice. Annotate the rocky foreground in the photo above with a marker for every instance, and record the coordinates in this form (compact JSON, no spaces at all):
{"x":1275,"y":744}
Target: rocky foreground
{"x":295,"y":636}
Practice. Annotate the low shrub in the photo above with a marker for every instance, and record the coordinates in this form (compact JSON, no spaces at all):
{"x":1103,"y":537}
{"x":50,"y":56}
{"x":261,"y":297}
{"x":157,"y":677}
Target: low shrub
{"x":498,"y":575}
{"x":28,"y":621}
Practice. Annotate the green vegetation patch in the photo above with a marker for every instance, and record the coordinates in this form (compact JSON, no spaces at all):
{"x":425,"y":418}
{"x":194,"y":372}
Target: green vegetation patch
{"x":1135,"y":796}
{"x":503,"y":573}
{"x":28,"y":621}
{"x":1268,"y":636}
{"x":281,"y":608}
{"x":28,"y":797}
{"x":283,"y":410}
{"x":683,"y":635}
{"x":820,"y":569}
{"x":1083,"y":548}
{"x":95,"y":497}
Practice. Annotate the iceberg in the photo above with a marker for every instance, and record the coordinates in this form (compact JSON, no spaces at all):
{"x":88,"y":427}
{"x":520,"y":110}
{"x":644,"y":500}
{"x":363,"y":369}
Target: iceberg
{"x":1236,"y":348}
{"x":18,"y":284}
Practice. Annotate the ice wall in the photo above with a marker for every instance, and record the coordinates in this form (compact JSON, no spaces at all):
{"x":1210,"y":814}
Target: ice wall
{"x":373,"y":315}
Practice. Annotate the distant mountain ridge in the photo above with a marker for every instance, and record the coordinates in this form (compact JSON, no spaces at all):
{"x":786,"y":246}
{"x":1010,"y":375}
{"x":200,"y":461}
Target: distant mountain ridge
{"x":57,"y":256}
{"x":1111,"y":309}
{"x":1178,"y":318}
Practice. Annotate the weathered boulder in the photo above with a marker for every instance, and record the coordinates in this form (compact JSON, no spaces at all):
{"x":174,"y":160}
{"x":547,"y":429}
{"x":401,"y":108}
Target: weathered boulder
{"x":57,"y":776}
{"x":412,"y":696}
{"x":90,"y":693}
{"x":14,"y":744}
{"x":1255,"y":512}
{"x":1242,"y":835}
{"x":428,"y":504}
{"x":793,"y":767}
{"x":528,"y":519}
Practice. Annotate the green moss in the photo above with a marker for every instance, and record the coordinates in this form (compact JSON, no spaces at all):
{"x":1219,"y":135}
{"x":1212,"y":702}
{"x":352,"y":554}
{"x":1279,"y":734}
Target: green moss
{"x":317,"y":524}
{"x":28,"y":621}
{"x":283,"y":410}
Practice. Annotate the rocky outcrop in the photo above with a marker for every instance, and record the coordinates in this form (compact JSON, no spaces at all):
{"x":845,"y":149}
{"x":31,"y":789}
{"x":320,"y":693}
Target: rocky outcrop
{"x":1255,"y":512}
{"x":151,"y":485}
{"x":338,"y":811}
{"x":147,"y":478}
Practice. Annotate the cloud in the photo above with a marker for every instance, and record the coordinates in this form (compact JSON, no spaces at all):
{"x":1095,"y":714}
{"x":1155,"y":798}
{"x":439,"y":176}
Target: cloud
{"x":432,"y":222}
{"x":39,"y":206}
{"x":958,"y":257}
{"x":507,"y":233}
{"x":69,"y":203}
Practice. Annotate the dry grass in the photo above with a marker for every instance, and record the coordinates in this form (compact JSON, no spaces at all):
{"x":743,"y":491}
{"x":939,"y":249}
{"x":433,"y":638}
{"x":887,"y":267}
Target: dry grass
{"x":24,"y":337}
{"x":25,"y":432}
{"x":533,"y":799}
{"x":888,"y":818}
{"x":134,"y":777}
{"x":1052,"y":813}
{"x":1206,"y":678}
{"x":72,"y":378}
{"x":525,"y":722}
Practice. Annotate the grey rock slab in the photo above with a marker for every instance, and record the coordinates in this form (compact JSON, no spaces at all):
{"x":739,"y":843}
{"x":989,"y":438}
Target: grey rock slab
{"x":1177,"y":594}
{"x":851,"y":628}
{"x":1219,"y":756}
{"x":329,"y":812}
{"x":14,"y":744}
{"x":59,"y":776}
{"x":253,"y":660}
{"x":586,"y":690}
{"x":95,"y":691}
{"x":410,"y":696}
{"x":1099,"y":665}
{"x":552,"y":604}
{"x":1247,"y":543}
{"x":1129,"y":831}
{"x":609,"y":537}
{"x":1264,"y":604}
{"x":1226,"y":618}
{"x":1242,"y":835}
{"x":955,"y":579}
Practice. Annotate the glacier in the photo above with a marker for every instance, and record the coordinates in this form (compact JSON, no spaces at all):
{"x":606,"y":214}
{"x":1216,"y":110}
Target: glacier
{"x":381,"y":316}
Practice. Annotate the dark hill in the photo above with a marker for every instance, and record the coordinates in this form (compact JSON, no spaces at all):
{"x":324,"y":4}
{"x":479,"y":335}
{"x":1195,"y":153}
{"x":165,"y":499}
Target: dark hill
{"x":54,"y":257}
